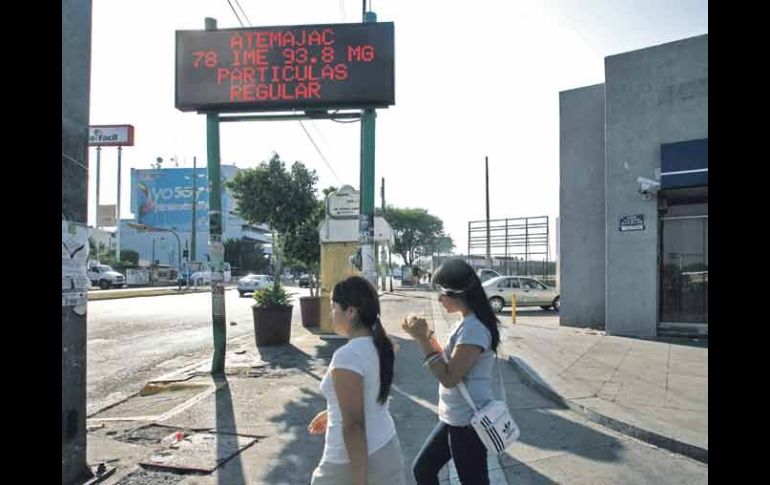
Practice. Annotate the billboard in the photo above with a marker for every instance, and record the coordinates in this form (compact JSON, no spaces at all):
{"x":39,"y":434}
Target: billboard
{"x":285,"y":68}
{"x":106,"y":215}
{"x":111,"y":135}
{"x":164,"y":198}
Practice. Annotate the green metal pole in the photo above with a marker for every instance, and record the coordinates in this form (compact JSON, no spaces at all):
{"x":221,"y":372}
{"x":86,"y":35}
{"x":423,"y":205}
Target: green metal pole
{"x":216,"y":248}
{"x":366,"y":218}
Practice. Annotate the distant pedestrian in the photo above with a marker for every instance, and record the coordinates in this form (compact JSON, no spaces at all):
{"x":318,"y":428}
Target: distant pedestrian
{"x":361,"y":446}
{"x":468,"y":356}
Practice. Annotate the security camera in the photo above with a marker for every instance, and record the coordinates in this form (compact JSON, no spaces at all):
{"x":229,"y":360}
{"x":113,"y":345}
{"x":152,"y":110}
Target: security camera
{"x":648,"y":187}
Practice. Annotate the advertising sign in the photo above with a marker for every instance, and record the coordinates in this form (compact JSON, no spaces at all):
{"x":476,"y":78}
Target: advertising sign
{"x":111,"y":135}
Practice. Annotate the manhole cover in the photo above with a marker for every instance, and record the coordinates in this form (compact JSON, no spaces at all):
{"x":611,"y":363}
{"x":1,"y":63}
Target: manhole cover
{"x":199,"y":452}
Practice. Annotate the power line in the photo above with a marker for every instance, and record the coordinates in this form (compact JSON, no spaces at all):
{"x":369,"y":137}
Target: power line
{"x":318,"y":130}
{"x":74,"y":161}
{"x":236,"y":13}
{"x":243,"y":12}
{"x":300,"y":121}
{"x":346,"y":122}
{"x":319,"y":152}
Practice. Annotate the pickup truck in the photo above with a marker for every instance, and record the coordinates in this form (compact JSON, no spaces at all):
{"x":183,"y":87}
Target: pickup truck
{"x":104,"y":277}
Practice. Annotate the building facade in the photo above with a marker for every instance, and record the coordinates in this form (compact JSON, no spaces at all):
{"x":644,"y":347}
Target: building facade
{"x":633,"y":218}
{"x":163,"y":198}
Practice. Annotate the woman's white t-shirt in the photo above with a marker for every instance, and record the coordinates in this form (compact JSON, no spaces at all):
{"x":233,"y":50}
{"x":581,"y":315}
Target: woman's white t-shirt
{"x":360,"y":356}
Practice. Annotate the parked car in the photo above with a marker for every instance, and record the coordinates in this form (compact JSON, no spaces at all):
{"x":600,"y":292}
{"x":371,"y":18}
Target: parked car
{"x":528,"y":292}
{"x":103,"y":276}
{"x":486,"y":274}
{"x":305,"y":280}
{"x":200,"y":278}
{"x":251,"y":283}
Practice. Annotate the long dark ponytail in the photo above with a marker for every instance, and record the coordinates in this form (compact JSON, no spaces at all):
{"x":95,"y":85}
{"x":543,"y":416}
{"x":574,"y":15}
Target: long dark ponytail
{"x":357,"y":292}
{"x":461,"y":280}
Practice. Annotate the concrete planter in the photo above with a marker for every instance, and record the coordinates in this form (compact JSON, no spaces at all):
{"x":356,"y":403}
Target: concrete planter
{"x":272,"y":326}
{"x":310,"y":306}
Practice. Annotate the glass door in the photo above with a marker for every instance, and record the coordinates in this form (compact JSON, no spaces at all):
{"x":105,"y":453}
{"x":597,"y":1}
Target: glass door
{"x":684,"y":272}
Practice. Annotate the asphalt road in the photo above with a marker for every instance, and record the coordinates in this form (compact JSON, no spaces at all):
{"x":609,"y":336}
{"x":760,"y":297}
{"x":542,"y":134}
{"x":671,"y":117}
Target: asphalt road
{"x":133,"y":340}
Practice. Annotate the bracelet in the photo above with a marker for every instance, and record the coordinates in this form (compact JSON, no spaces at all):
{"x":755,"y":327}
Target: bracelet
{"x":429,"y":356}
{"x":434,"y":358}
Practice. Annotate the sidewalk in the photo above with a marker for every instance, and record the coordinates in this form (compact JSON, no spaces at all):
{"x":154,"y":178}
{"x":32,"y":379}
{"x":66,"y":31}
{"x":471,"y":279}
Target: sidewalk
{"x":656,"y":391}
{"x":250,"y":427}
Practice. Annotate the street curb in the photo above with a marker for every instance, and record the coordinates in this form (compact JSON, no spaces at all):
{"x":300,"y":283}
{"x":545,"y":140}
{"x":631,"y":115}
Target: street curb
{"x":129,"y":294}
{"x":666,"y":442}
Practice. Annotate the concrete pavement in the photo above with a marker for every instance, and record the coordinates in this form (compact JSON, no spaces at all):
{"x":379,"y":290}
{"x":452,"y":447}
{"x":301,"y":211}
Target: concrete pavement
{"x":270,"y":394}
{"x":654,"y":390}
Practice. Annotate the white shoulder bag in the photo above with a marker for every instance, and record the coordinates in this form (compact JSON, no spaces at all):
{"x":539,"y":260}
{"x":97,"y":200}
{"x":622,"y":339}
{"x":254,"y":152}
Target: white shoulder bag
{"x":493,"y":423}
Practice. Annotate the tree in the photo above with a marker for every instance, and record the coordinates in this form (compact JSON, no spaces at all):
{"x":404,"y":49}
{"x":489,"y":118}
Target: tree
{"x":304,"y":245}
{"x":282,"y":199}
{"x":416,"y":232}
{"x":245,"y":255}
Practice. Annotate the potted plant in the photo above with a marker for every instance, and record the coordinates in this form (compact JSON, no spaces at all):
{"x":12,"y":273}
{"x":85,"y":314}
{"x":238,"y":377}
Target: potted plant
{"x":304,"y":245}
{"x":284,"y":200}
{"x":272,"y":316}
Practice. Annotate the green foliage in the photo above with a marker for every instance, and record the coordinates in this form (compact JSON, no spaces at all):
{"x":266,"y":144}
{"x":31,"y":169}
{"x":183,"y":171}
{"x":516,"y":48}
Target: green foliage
{"x":416,"y":233}
{"x":129,"y":257}
{"x":283,"y":199}
{"x":303,"y":244}
{"x":272,"y":297}
{"x":245,"y":255}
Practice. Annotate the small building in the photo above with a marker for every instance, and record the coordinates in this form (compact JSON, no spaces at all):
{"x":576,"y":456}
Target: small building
{"x":633,"y":222}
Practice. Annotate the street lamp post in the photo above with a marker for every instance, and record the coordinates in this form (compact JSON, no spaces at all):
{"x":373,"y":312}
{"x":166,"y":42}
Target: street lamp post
{"x":148,"y":228}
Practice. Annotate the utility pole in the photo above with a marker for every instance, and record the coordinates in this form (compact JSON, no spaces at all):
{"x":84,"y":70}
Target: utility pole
{"x":366,"y":217}
{"x":117,"y":221}
{"x":382,"y":206}
{"x":489,"y":252}
{"x":216,"y":248}
{"x":98,"y":179}
{"x":76,"y":82}
{"x":193,"y":243}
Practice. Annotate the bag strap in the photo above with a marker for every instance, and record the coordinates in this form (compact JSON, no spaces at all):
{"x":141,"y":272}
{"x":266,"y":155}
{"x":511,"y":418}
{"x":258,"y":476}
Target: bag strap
{"x":464,"y":389}
{"x":500,"y":375}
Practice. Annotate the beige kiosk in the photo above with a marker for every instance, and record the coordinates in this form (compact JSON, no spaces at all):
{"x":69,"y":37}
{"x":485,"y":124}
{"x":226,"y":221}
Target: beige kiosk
{"x":339,"y":244}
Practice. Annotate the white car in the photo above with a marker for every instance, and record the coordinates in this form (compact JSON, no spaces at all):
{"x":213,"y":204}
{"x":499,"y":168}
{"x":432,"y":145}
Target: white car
{"x":253,"y":282}
{"x":528,"y":292}
{"x":200,"y":278}
{"x":104,"y":276}
{"x":486,"y":274}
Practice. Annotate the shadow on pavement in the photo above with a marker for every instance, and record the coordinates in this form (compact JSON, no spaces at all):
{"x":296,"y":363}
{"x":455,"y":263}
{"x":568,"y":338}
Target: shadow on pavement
{"x":232,"y":474}
{"x":292,"y":357}
{"x":701,"y":343}
{"x":544,"y":432}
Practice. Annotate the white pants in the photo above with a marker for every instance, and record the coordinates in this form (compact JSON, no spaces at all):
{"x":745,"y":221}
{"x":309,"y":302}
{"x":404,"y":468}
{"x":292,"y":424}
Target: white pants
{"x":384,"y":467}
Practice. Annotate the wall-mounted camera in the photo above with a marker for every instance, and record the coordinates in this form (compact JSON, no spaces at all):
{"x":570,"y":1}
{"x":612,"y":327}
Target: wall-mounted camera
{"x":648,"y":187}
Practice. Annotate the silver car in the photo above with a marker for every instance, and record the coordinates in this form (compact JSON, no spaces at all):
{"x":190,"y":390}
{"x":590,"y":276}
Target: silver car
{"x":251,"y":283}
{"x":528,"y":292}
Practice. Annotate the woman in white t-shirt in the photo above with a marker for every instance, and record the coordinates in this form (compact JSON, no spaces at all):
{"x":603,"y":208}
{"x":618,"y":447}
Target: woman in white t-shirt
{"x":361,"y":445}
